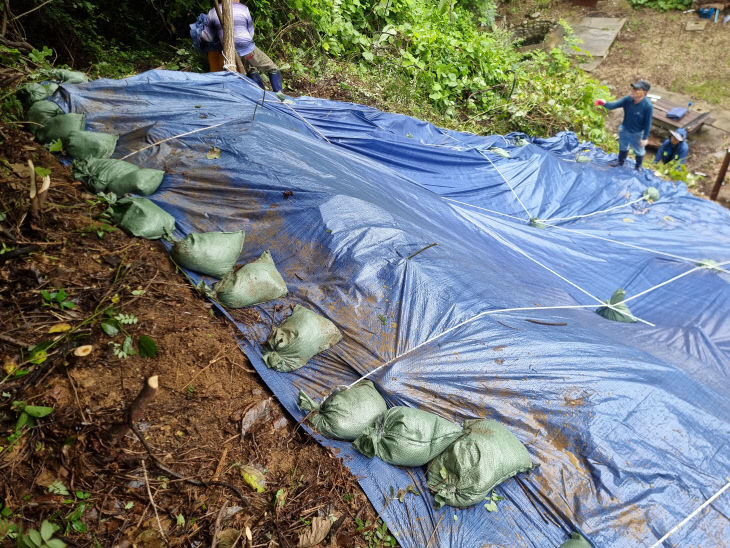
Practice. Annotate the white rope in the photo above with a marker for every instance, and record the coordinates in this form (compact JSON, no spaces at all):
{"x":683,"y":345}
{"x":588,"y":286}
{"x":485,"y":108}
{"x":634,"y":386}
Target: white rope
{"x":620,"y":206}
{"x":227,"y":64}
{"x":178,"y":136}
{"x":665,"y":283}
{"x":692,"y":515}
{"x":483,"y":209}
{"x":465,"y":322}
{"x":507,"y":182}
{"x":640,"y":248}
{"x":566,"y":280}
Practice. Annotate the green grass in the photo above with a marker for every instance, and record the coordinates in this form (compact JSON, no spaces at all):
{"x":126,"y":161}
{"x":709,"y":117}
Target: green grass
{"x":713,"y":90}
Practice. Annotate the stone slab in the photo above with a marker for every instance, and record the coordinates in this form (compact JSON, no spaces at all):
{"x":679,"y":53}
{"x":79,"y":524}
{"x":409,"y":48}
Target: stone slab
{"x":598,"y":33}
{"x":696,"y":24}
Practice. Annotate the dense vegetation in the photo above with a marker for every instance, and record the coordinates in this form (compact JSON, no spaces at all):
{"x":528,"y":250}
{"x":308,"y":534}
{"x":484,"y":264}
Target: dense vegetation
{"x":441,"y":60}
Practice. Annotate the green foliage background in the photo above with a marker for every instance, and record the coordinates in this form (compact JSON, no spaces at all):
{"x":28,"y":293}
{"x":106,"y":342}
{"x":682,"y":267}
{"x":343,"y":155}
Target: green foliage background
{"x":442,"y":60}
{"x":662,"y":5}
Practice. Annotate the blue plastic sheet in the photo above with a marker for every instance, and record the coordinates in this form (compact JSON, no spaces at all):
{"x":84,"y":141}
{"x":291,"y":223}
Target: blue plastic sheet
{"x":628,"y":423}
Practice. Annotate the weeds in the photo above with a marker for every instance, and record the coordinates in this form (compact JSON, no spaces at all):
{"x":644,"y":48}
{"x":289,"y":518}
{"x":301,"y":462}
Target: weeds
{"x":57,"y":299}
{"x":375,"y":535}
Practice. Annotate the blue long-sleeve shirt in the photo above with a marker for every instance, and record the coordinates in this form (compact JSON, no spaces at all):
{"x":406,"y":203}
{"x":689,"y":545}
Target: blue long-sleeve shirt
{"x":667,"y":152}
{"x":637,"y":116}
{"x":242,"y":29}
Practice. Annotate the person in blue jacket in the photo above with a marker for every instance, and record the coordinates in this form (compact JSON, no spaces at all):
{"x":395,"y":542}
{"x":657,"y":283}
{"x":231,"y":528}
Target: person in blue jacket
{"x":634,"y":130}
{"x":674,"y":148}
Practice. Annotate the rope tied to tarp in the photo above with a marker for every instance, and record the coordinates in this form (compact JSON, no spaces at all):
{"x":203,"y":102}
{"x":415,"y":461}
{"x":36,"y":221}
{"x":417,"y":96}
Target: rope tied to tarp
{"x":693,"y":514}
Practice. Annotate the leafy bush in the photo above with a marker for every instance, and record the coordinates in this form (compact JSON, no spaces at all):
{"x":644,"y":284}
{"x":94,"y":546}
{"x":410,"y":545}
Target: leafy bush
{"x":662,"y":5}
{"x":445,"y":59}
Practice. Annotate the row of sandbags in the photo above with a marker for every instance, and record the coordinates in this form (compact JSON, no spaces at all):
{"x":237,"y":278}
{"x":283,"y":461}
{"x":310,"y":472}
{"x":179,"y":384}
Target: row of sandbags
{"x":91,"y":150}
{"x":464,"y":462}
{"x":298,"y":338}
{"x":290,"y":345}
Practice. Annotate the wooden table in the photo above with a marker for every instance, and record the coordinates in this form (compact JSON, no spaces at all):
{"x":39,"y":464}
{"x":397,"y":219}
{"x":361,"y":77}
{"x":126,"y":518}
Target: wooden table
{"x":691,"y":122}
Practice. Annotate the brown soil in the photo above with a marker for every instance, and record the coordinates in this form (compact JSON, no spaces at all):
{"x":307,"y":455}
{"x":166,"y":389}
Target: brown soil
{"x":193,"y":426}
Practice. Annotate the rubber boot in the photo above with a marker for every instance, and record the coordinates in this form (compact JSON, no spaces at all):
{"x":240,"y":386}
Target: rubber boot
{"x":275,"y":79}
{"x":256,"y":77}
{"x":622,"y":154}
{"x":639,"y":161}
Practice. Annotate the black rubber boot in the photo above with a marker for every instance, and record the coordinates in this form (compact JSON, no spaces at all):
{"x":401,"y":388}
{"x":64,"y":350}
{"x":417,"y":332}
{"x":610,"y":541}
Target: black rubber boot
{"x":639,"y":161}
{"x":622,"y":154}
{"x":275,"y":79}
{"x":256,"y":77}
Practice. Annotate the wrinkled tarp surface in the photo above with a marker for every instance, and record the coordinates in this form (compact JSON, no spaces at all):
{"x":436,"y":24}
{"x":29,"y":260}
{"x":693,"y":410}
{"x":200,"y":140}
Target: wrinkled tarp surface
{"x":628,"y":423}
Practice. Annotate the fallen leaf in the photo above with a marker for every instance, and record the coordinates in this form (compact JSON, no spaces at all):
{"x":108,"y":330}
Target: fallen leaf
{"x":316,"y":533}
{"x":21,"y":170}
{"x":60,"y":328}
{"x":9,"y":367}
{"x":668,"y":218}
{"x":254,"y":478}
{"x":259,"y":412}
{"x":627,"y":220}
{"x":228,"y":537}
{"x":214,"y":153}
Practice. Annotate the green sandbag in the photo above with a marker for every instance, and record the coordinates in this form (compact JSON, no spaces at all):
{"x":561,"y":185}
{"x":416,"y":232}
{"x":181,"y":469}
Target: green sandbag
{"x":90,"y":144}
{"x":59,"y":127}
{"x":651,"y":194}
{"x":617,"y":312}
{"x":343,"y":415}
{"x":212,"y":253}
{"x":256,"y":282}
{"x":407,"y":437}
{"x":576,"y":541}
{"x":472,"y":466}
{"x":140,"y":217}
{"x":140,"y":181}
{"x":40,"y":112}
{"x":98,"y":173}
{"x":30,"y":93}
{"x":301,"y":336}
{"x":68,"y":76}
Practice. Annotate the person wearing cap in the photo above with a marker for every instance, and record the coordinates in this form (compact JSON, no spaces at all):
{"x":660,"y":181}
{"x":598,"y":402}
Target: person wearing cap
{"x":674,"y":148}
{"x":634,"y":130}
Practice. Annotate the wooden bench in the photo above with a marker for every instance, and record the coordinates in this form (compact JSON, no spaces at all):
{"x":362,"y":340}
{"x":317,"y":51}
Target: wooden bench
{"x":692,"y":121}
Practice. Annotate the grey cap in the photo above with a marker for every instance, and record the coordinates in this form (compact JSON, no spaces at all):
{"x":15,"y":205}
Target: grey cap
{"x":641,"y":84}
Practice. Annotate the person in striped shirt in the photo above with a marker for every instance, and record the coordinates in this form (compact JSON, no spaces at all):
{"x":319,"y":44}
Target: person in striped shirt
{"x":254,"y":60}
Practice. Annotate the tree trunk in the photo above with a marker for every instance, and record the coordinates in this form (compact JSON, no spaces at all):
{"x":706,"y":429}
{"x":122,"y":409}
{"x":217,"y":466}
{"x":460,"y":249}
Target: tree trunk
{"x":229,"y":49}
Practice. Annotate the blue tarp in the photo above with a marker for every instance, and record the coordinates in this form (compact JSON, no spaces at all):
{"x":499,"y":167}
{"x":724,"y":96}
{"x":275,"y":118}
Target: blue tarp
{"x":628,"y":422}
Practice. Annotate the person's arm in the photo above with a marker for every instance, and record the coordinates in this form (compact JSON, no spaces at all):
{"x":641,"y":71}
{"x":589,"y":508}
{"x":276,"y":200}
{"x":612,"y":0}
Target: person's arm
{"x":210,"y":32}
{"x":647,"y":122}
{"x":617,"y":104}
{"x":682,"y":153}
{"x":249,"y":23}
{"x":660,"y":153}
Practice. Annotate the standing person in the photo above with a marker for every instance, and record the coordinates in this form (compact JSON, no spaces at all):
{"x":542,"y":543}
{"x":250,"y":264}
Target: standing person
{"x":255,"y":61}
{"x":674,"y":148}
{"x":634,"y":130}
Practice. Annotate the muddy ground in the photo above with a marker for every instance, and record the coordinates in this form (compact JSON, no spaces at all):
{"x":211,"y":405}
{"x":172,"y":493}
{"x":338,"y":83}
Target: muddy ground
{"x":74,"y":467}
